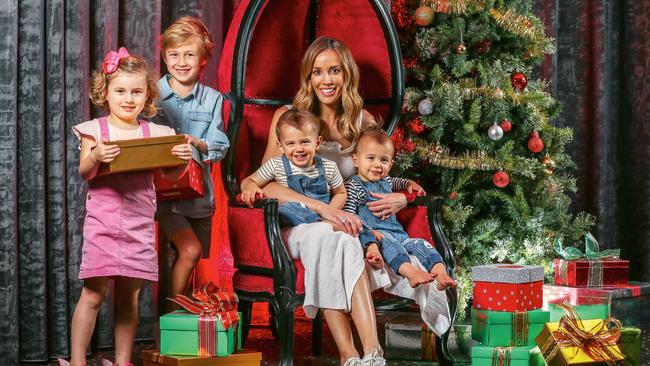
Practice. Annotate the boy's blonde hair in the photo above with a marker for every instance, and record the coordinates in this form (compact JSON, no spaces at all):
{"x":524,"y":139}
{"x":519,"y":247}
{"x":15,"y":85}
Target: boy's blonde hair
{"x":99,"y":82}
{"x":298,"y":119}
{"x":351,"y":104}
{"x":375,"y":134}
{"x":182,"y":30}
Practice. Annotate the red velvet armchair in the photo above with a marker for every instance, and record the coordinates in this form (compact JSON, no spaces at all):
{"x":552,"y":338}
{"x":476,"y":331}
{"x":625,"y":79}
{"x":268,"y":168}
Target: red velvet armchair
{"x":258,"y":73}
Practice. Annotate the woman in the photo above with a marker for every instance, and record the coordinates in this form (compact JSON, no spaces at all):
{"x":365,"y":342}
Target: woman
{"x":335,"y":276}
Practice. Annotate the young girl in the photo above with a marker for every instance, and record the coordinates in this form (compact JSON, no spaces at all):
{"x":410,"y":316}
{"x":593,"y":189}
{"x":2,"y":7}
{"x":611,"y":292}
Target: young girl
{"x":119,"y":241}
{"x":194,"y":109}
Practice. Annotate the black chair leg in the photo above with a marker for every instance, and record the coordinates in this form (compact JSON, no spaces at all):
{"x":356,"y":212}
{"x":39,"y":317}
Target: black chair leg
{"x":317,"y":334}
{"x":284,"y":321}
{"x":246,"y":308}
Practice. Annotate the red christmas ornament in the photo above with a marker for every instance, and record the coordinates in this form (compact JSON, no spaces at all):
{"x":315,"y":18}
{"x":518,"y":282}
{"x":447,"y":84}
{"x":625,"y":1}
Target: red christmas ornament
{"x":416,"y":126}
{"x":423,"y":16}
{"x":518,"y":81}
{"x":484,"y":46}
{"x":409,"y":146}
{"x":398,"y":138}
{"x":461,"y":49}
{"x":453,"y":195}
{"x":506,"y":125}
{"x":535,"y":144}
{"x":500,"y":179}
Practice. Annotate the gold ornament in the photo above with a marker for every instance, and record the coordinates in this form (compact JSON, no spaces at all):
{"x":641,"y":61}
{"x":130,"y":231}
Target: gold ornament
{"x":461,"y":49}
{"x":498,"y":93}
{"x":549,"y":165}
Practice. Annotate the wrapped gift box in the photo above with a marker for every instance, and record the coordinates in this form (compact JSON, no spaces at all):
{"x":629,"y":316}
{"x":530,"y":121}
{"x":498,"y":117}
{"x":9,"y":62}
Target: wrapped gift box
{"x":144,"y":154}
{"x":179,"y":335}
{"x":564,"y":356}
{"x":243,"y":358}
{"x":512,"y":356}
{"x":630,"y":344}
{"x":503,"y":329}
{"x":589,"y":303}
{"x":591,"y":273}
{"x":507,"y":287}
{"x":189,"y":185}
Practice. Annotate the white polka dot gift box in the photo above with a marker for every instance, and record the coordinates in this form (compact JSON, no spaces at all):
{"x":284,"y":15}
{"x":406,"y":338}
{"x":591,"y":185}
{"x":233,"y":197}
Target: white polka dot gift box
{"x":189,"y":185}
{"x":506,"y":287}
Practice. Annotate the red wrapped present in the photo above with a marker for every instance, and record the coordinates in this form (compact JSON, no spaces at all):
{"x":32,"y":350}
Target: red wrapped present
{"x":592,"y":268}
{"x":591,"y":273}
{"x":189,"y":185}
{"x":512,"y":288}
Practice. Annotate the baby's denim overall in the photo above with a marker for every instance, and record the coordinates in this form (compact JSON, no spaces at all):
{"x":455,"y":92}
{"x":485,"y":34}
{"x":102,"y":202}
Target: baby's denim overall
{"x":396,"y":245}
{"x":296,"y":213}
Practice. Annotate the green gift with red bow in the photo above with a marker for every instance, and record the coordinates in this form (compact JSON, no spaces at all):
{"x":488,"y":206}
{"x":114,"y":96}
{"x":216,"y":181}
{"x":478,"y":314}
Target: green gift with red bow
{"x":209,"y":325}
{"x":504,"y":328}
{"x":591,"y":268}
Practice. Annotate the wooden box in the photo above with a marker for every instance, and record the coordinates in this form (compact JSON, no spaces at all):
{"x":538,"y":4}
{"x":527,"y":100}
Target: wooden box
{"x":144,"y":154}
{"x":242,"y":358}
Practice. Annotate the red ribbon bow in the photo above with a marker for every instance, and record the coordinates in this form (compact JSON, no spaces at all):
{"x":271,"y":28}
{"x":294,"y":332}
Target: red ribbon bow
{"x":211,"y":302}
{"x":112,"y":59}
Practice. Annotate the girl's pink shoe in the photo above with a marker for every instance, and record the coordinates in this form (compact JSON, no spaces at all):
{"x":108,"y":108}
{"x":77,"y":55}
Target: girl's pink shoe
{"x":63,"y":362}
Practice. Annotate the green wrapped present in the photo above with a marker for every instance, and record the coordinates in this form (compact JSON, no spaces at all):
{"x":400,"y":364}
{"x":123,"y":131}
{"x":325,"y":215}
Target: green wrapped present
{"x":630,"y":344}
{"x":502,"y":329}
{"x":507,"y":356}
{"x":210,"y":327}
{"x":181,"y":334}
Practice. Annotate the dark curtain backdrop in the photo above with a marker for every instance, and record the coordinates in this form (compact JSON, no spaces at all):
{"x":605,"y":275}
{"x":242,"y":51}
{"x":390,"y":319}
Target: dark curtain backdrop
{"x":600,"y":74}
{"x":47,"y":52}
{"x":49,"y":48}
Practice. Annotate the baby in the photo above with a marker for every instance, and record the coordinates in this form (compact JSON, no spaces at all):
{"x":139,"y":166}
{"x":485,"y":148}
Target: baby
{"x":299,"y":168}
{"x":385,"y":237}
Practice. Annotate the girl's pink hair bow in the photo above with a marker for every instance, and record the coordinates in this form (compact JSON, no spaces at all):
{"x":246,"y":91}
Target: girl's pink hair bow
{"x":112,"y":59}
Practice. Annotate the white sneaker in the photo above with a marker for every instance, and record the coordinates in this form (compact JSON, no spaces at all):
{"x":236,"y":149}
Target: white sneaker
{"x":373,"y":359}
{"x":353,"y":361}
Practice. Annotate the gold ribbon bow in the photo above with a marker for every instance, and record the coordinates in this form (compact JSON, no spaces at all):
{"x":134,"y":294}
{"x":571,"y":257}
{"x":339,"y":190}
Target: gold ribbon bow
{"x":595,"y":342}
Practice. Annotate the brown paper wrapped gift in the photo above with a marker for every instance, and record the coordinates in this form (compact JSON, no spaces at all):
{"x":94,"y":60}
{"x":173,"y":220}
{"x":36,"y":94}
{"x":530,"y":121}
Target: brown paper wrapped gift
{"x":151,"y":357}
{"x":144,"y":154}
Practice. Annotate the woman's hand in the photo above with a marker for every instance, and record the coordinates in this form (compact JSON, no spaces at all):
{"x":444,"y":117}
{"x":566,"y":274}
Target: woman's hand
{"x":412,"y":186}
{"x":347,"y":222}
{"x":387,"y":204}
{"x":104,"y":153}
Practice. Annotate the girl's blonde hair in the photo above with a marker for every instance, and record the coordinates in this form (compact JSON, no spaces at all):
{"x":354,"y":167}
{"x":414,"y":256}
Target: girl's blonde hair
{"x":131,"y":64}
{"x":351,"y":104}
{"x":182,"y":30}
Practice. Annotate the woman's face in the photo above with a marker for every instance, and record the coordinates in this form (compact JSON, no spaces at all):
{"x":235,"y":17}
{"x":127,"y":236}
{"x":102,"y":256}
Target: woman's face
{"x":327,"y":77}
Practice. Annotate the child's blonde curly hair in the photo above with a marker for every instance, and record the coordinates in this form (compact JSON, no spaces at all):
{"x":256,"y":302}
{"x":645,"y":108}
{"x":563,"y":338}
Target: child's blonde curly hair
{"x":132,"y":65}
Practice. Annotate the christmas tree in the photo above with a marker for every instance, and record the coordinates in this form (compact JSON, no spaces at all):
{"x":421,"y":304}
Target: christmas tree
{"x":478,"y":130}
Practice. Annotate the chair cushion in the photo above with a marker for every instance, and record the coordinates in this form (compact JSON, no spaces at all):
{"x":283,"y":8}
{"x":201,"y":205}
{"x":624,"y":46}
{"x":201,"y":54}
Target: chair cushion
{"x":415,"y":221}
{"x":257,"y":283}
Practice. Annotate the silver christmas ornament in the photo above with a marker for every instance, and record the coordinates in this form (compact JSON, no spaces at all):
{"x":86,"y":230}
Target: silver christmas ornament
{"x":495,"y":132}
{"x":425,"y":107}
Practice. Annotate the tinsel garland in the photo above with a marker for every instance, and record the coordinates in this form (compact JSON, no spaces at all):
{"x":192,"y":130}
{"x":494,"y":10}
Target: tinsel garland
{"x":439,"y":155}
{"x":458,"y":6}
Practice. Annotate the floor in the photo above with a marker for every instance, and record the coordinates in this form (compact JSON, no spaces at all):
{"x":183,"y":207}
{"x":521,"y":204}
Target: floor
{"x":261,"y":339}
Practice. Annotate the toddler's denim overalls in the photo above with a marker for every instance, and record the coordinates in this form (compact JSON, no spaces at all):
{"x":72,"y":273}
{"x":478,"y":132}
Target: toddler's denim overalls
{"x":396,"y":245}
{"x":296,"y":213}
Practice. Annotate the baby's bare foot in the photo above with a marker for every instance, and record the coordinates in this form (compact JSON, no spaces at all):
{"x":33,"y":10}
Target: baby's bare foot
{"x":419,"y":277}
{"x":444,"y":281}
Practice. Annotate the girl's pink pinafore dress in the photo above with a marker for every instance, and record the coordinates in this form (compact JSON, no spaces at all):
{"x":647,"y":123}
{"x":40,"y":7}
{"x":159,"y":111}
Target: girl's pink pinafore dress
{"x":118,"y":233}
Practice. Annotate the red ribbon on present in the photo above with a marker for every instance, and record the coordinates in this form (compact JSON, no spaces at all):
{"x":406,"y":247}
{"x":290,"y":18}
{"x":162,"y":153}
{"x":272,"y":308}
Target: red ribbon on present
{"x":211,"y":305}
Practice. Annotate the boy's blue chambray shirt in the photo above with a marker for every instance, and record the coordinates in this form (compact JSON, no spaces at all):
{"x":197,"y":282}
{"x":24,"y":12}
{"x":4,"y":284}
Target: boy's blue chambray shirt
{"x":197,"y":114}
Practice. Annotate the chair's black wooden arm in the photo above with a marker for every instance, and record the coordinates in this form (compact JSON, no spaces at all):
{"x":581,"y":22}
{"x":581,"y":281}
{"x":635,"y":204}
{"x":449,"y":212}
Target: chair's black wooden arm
{"x":284,"y":271}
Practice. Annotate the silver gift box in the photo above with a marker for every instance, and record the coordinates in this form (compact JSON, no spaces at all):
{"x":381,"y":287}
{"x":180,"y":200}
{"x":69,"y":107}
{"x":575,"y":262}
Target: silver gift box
{"x":507,"y":273}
